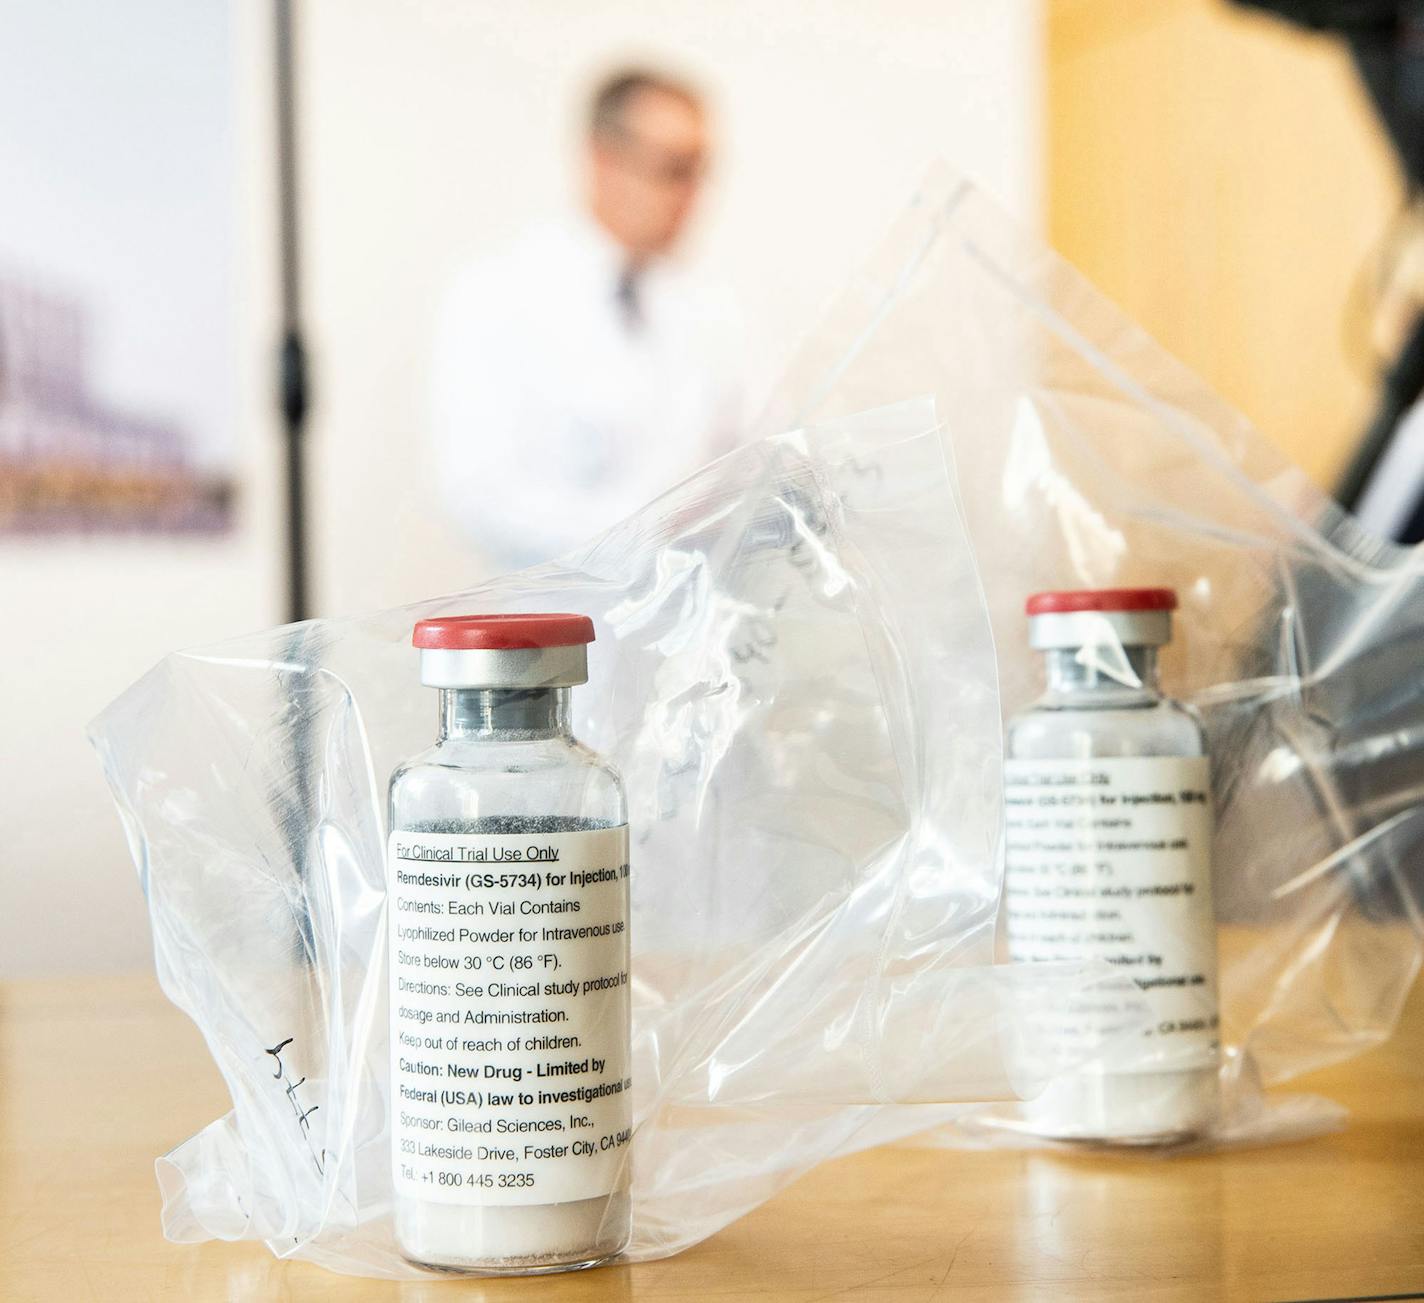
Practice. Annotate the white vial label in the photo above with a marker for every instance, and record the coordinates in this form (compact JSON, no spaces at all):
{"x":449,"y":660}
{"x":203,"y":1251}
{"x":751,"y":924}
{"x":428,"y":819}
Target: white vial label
{"x":509,"y":1015}
{"x":1111,"y":859}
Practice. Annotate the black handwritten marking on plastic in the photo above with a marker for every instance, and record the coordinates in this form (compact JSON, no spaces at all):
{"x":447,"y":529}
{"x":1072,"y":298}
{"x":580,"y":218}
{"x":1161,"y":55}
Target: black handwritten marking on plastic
{"x":302,"y":1115}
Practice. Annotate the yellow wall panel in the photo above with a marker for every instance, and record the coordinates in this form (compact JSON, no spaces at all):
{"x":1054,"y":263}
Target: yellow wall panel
{"x":1222,"y":177}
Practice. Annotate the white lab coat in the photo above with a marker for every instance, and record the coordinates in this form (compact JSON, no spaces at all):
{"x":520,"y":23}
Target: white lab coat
{"x":553,"y":419}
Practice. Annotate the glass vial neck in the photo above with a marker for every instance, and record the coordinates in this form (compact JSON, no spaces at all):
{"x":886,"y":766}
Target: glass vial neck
{"x":510,"y":714}
{"x":1102,"y":675}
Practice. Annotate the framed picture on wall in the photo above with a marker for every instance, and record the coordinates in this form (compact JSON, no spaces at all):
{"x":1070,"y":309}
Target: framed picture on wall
{"x":117,"y":268}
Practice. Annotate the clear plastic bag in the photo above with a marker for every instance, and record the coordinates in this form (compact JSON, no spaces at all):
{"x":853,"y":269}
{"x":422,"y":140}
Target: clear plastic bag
{"x":806,"y":656}
{"x":794,"y":674}
{"x":1087,"y":457}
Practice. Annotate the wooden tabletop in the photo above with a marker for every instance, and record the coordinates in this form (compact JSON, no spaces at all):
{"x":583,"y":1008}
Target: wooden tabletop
{"x":97,"y":1077}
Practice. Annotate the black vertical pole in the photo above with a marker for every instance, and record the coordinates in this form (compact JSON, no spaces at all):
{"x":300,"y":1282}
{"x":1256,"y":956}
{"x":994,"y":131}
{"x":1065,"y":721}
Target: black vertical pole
{"x":292,"y":798}
{"x":294,"y":395}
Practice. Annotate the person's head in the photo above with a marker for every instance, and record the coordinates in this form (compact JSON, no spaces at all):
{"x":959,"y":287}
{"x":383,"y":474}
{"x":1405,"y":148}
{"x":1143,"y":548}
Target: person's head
{"x":647,"y":147}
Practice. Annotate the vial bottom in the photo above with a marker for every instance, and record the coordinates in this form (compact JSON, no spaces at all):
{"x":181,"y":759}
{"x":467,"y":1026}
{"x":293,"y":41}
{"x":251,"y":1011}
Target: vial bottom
{"x":1139,"y":1108}
{"x":522,"y":1240}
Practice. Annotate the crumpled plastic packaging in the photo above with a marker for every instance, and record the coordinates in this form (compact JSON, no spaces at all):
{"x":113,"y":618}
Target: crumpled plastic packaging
{"x":806,"y":654}
{"x":1088,"y":457}
{"x":794,"y":674}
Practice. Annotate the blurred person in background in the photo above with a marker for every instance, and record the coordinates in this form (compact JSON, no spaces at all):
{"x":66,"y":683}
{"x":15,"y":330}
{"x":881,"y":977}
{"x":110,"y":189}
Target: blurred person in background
{"x":581,"y":372}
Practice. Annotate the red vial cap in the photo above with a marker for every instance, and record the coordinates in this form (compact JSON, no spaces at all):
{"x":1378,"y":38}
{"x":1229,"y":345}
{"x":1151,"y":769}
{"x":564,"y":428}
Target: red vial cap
{"x":513,"y":632}
{"x":1102,"y":599}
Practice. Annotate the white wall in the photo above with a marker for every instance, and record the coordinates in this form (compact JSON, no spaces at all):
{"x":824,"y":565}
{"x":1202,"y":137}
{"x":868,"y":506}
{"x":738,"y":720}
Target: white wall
{"x":432,"y":128}
{"x":436,"y":127}
{"x":130,"y":154}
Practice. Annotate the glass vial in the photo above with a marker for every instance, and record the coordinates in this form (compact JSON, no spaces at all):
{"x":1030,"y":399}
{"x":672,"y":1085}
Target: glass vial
{"x":509,"y":1002}
{"x":1108,"y":855}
